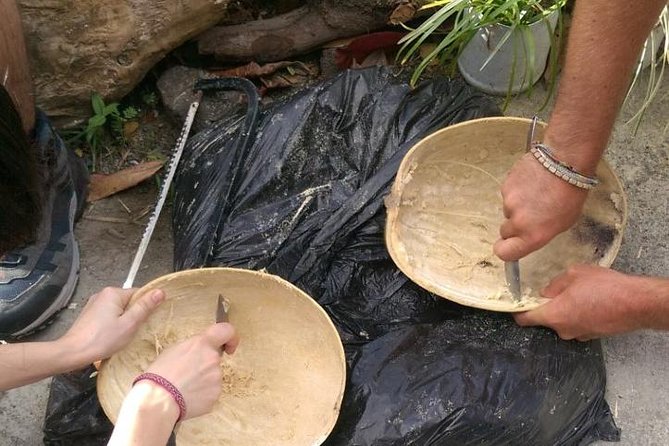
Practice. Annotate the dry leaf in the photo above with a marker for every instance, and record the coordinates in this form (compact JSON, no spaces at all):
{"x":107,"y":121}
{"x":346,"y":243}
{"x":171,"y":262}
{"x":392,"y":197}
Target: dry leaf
{"x":129,"y":128}
{"x":425,"y":50}
{"x":403,"y":12}
{"x":252,"y":69}
{"x":339,"y":43}
{"x":361,"y":47}
{"x":102,"y":186}
{"x":375,"y":58}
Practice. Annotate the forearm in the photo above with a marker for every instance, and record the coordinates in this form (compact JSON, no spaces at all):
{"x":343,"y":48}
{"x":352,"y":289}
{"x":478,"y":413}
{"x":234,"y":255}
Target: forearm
{"x":651,"y":305}
{"x":28,"y":362}
{"x":605,"y":40}
{"x":147,"y":417}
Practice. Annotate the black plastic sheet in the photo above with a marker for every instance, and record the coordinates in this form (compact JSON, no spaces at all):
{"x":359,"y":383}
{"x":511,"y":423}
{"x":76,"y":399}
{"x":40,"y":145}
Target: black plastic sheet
{"x":74,"y":415}
{"x":299,"y":192}
{"x":305,"y":202}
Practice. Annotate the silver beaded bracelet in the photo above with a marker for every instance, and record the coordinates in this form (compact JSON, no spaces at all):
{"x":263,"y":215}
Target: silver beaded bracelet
{"x":562,"y":170}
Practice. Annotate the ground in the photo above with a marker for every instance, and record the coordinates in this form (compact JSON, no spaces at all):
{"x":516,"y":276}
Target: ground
{"x":638,"y":371}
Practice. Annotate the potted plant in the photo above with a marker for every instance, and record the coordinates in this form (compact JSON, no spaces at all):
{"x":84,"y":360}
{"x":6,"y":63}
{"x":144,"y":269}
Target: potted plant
{"x":501,"y":46}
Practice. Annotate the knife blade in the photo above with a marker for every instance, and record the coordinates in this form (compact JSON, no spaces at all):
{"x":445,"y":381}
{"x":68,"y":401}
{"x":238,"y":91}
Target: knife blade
{"x":512,"y":272}
{"x":222,"y":307}
{"x":164,"y":189}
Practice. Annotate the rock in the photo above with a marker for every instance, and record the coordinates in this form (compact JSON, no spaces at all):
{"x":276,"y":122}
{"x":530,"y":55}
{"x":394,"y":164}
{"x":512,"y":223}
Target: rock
{"x":176,"y":92}
{"x":78,"y":47}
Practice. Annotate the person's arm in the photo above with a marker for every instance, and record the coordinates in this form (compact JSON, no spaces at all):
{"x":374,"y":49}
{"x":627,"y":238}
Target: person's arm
{"x":104,"y":326}
{"x":149,"y":412}
{"x":589,"y":302}
{"x":605,"y":40}
{"x":147,"y":417}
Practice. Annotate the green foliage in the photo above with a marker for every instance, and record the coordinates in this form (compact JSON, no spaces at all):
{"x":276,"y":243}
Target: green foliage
{"x":655,"y":70}
{"x":130,"y":113}
{"x":94,"y":130}
{"x":106,"y":119}
{"x":467,"y":17}
{"x":150,"y":99}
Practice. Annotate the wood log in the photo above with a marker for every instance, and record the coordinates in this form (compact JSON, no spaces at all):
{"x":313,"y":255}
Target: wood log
{"x":302,"y":30}
{"x":78,"y":47}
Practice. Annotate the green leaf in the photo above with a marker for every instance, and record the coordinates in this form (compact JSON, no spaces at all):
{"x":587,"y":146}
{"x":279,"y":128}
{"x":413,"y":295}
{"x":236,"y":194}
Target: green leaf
{"x":111,"y":109}
{"x":98,"y":104}
{"x":96,"y":121}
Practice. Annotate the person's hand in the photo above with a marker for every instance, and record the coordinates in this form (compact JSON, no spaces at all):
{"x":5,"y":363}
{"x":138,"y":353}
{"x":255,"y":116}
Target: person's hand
{"x":193,"y":367}
{"x":589,"y":302}
{"x":105,"y":325}
{"x":537,"y":207}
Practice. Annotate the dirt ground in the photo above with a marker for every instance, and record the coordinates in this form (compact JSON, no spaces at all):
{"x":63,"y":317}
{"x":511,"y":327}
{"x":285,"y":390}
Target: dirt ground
{"x":638,"y":370}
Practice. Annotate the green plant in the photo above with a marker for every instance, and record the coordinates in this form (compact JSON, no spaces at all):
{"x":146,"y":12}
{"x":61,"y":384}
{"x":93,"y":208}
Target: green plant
{"x":93,"y":132}
{"x":655,"y":71}
{"x":105,"y":117}
{"x":467,"y":17}
{"x":117,"y":121}
{"x":150,"y":99}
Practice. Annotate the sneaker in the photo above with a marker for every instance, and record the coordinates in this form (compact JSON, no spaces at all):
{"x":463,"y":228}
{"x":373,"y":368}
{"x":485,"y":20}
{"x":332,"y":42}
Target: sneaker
{"x":38,"y":280}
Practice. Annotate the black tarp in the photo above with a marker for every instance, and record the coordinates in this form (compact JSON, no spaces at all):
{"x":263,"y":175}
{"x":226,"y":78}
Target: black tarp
{"x":299,"y":192}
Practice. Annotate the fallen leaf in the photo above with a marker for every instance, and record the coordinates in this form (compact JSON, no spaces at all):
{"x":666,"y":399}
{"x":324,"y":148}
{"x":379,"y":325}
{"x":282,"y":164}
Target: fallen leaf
{"x":403,"y":12}
{"x":102,"y":186}
{"x":129,"y":128}
{"x":253,"y":70}
{"x":425,"y":50}
{"x":375,"y":58}
{"x":297,"y":74}
{"x":339,"y":43}
{"x":361,"y":47}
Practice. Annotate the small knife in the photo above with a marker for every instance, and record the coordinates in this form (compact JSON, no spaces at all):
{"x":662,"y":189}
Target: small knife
{"x":512,"y":272}
{"x":222,"y":309}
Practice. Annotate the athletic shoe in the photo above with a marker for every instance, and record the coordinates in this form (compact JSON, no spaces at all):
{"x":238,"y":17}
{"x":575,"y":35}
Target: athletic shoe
{"x":38,"y":280}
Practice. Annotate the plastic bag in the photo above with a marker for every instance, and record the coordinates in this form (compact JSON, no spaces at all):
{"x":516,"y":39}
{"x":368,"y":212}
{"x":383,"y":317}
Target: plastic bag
{"x":479,"y":379}
{"x":73,"y":414}
{"x":305,"y":201}
{"x":302,"y":197}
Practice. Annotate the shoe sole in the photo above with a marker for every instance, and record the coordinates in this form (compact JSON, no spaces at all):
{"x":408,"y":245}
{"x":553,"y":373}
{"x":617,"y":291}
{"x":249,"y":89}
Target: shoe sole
{"x":66,"y":292}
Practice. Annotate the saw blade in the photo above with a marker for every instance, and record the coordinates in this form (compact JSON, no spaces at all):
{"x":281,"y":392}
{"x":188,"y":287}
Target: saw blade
{"x":164,"y":189}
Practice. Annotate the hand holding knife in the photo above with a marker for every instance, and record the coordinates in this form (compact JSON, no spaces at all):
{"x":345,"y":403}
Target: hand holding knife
{"x":512,"y":269}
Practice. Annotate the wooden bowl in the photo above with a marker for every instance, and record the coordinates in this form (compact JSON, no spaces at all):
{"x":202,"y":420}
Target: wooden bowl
{"x":445,"y":210}
{"x":283,"y":386}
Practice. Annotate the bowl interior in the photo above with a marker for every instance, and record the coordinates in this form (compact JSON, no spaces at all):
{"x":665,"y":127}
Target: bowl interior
{"x":283,"y":386}
{"x":445,"y":210}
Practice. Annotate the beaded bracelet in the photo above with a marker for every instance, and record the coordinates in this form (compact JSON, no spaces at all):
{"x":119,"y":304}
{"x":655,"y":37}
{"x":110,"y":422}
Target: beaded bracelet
{"x":169,"y":387}
{"x":560,"y":169}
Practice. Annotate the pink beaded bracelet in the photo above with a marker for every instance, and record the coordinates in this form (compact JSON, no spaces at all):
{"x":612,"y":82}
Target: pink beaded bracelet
{"x":169,"y":387}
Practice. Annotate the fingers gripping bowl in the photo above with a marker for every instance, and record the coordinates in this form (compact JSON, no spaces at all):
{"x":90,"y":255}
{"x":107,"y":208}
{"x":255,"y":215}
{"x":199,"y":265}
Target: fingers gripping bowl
{"x":445,"y":210}
{"x":283,"y":385}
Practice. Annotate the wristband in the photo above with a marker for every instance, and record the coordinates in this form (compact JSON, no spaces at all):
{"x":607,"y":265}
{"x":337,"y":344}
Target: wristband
{"x":169,"y":387}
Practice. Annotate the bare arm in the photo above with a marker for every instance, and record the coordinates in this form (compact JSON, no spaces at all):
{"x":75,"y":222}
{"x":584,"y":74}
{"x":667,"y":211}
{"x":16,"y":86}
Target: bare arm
{"x":605,"y":40}
{"x":149,"y":412}
{"x":105,"y":325}
{"x":147,"y":417}
{"x":28,"y":362}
